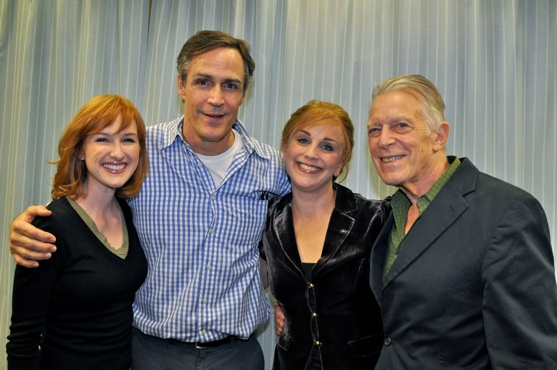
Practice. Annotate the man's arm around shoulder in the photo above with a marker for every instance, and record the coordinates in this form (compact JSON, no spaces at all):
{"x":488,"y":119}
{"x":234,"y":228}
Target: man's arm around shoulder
{"x":29,"y":244}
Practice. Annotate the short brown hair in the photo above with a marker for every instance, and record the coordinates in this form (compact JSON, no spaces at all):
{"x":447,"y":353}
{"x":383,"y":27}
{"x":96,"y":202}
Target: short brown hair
{"x":95,"y":115}
{"x":204,"y":41}
{"x":312,"y":114}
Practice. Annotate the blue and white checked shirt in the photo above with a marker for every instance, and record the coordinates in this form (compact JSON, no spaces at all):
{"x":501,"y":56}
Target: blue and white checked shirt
{"x":201,"y":241}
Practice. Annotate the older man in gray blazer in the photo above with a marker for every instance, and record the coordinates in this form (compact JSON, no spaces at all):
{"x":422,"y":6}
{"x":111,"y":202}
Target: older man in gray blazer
{"x":463,"y":270}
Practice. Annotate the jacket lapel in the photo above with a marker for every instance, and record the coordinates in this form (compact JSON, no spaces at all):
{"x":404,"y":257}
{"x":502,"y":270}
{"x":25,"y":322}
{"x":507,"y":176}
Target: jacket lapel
{"x":284,"y":232}
{"x":339,"y":228}
{"x":445,"y":209}
{"x":378,"y":254}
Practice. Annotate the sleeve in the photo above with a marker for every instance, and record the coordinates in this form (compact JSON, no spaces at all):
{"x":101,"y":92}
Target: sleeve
{"x":268,"y":223}
{"x":520,"y":293}
{"x":32,"y":289}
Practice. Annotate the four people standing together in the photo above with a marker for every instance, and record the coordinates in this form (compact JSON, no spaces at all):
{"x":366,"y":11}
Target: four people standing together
{"x":462,"y":271}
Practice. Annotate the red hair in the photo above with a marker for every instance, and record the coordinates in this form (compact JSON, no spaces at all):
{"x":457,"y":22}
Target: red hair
{"x":97,"y":114}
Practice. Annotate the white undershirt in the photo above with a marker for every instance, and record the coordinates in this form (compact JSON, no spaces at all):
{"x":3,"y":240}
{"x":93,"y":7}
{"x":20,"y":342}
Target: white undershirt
{"x":218,"y":164}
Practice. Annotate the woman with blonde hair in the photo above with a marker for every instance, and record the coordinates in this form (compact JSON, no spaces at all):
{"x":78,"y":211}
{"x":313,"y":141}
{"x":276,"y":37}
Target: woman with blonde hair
{"x":74,"y":311}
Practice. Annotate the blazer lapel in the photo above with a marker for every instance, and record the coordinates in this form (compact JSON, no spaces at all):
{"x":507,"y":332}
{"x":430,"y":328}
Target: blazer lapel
{"x":339,"y":228}
{"x":445,"y":209}
{"x":284,"y":231}
{"x":378,"y":255}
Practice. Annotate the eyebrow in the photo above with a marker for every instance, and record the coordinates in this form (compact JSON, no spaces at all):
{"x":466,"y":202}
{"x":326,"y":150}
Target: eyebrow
{"x":325,"y":139}
{"x":102,"y":132}
{"x":391,"y":119}
{"x":210,"y":77}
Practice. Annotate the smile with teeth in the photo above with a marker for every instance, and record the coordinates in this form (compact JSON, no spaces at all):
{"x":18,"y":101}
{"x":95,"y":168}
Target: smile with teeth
{"x":114,"y":167}
{"x":391,"y":159}
{"x":306,"y":167}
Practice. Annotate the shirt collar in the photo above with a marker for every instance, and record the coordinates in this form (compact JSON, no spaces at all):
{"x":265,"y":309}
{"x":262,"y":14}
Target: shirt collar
{"x":400,"y":203}
{"x":175,"y":131}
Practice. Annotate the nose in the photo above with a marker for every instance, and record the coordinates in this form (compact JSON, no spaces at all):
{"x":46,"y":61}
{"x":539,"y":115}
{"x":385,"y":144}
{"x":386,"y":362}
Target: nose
{"x":386,"y":137}
{"x":117,"y":151}
{"x":216,"y":96}
{"x":311,"y":152}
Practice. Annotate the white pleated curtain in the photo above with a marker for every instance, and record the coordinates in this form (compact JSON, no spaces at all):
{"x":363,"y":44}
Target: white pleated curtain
{"x":494,"y":61}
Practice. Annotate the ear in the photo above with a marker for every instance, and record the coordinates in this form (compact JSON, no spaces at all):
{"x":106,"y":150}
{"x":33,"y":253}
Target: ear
{"x":80,"y":155}
{"x":181,"y":87}
{"x":441,"y":136}
{"x":245,"y":93}
{"x":339,"y":169}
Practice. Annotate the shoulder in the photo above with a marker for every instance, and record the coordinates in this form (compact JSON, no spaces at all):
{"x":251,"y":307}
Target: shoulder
{"x":347,"y":199}
{"x":487,"y":187}
{"x":164,"y":126}
{"x":61,"y":209}
{"x":277,"y":204}
{"x":252,"y":144}
{"x":64,"y":219}
{"x":161,"y":134}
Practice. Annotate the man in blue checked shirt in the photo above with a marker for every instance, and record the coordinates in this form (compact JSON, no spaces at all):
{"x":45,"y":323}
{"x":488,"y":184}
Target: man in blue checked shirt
{"x":199,"y":216}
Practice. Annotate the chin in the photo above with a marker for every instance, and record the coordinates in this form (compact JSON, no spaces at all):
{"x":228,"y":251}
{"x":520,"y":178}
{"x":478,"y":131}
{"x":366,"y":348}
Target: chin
{"x":389,"y":180}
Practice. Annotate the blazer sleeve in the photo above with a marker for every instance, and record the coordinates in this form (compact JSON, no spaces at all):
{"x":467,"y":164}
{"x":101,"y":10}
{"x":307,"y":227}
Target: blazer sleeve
{"x":520,"y":293}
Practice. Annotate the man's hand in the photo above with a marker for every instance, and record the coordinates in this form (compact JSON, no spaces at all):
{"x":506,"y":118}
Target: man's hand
{"x":29,"y":244}
{"x":279,"y":318}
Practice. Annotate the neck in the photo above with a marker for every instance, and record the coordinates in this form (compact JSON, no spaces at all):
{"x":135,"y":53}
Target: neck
{"x":98,"y":204}
{"x":206,"y":146}
{"x":428,"y":178}
{"x":309,"y":204}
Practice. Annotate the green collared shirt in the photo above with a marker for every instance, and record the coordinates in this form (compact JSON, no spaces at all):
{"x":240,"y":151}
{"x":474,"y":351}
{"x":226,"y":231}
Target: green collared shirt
{"x":401,"y":204}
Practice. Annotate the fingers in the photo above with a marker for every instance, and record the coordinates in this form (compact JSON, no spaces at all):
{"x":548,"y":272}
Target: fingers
{"x":33,"y":211}
{"x":25,"y":262}
{"x":29,"y":244}
{"x":279,"y":318}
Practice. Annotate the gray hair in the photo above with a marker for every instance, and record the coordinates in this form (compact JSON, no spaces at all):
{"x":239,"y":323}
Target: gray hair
{"x":433,"y":106}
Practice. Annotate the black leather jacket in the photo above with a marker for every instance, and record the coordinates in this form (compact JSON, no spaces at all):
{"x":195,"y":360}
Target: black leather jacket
{"x":348,"y":331}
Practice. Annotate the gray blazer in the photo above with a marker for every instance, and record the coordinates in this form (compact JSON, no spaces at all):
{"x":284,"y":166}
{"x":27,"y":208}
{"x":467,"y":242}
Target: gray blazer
{"x":474,"y":284}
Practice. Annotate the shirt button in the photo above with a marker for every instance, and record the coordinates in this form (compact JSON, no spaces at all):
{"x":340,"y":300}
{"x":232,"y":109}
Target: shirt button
{"x":388,"y":341}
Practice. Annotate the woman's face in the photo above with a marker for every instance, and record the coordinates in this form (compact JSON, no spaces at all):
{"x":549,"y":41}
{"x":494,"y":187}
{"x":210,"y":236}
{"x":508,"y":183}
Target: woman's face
{"x":111,"y":157}
{"x":313,"y":155}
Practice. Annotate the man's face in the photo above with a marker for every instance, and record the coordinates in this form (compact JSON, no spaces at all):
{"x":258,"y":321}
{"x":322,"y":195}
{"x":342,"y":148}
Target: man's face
{"x":212,"y":94}
{"x":403,"y":152}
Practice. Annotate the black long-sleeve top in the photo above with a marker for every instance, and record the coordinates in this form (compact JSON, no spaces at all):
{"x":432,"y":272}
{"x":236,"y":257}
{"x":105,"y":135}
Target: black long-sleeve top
{"x":75,"y":310}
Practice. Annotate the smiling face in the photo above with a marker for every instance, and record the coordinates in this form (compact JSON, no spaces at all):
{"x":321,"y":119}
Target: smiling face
{"x":212,"y":93}
{"x":111,"y":157}
{"x":313,"y":155}
{"x":405,"y":153}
